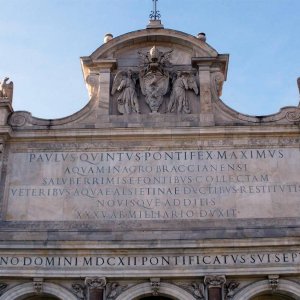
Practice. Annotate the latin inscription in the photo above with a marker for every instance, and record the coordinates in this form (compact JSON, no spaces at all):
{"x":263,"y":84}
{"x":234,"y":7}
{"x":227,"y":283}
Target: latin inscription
{"x":154,"y":185}
{"x":125,"y":261}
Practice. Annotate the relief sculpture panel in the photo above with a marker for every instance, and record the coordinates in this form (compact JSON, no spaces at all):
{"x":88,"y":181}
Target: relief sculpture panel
{"x":145,"y":87}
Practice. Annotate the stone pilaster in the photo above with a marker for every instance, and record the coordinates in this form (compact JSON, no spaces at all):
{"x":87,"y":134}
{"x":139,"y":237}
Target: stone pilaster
{"x":214,"y":287}
{"x":95,"y":288}
{"x":206,"y":109}
{"x":101,"y":68}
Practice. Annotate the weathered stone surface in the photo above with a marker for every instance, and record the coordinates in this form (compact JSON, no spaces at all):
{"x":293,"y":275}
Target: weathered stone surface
{"x":142,"y":185}
{"x":155,"y":187}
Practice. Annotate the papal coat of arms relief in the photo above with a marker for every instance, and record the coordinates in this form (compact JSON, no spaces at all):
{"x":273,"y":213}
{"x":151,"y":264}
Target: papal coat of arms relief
{"x":154,"y":80}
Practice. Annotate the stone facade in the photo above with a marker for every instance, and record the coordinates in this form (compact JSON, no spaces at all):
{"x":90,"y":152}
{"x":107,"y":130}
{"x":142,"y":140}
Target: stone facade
{"x":155,"y":188}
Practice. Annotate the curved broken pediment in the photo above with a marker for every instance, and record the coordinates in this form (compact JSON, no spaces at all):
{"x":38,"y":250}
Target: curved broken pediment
{"x":155,"y":77}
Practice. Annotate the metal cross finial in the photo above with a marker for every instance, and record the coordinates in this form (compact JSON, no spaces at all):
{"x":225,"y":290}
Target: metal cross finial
{"x":155,"y":15}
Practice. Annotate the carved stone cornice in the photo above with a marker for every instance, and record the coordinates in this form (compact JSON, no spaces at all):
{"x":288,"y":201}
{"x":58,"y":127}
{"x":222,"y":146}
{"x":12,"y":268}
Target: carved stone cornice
{"x":95,"y":283}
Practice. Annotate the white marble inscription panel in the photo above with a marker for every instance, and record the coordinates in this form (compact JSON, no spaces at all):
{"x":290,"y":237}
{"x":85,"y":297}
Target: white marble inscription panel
{"x":154,"y":185}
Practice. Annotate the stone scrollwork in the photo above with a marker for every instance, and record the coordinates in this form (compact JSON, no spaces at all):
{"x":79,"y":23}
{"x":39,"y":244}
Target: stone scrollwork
{"x":113,"y":290}
{"x":3,"y":286}
{"x":215,"y":280}
{"x":155,"y":285}
{"x":124,"y":85}
{"x":293,"y":116}
{"x":93,"y":81}
{"x":217,"y":80}
{"x":154,"y":77}
{"x":230,"y":289}
{"x":19,"y":119}
{"x":95,"y":282}
{"x":179,"y":101}
{"x":6,"y":89}
{"x":273,"y":282}
{"x":79,"y":290}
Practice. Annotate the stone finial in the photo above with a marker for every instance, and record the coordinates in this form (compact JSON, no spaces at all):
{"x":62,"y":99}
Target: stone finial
{"x":155,"y":285}
{"x":273,"y":282}
{"x":108,"y":37}
{"x":6,"y":89}
{"x":201,"y":36}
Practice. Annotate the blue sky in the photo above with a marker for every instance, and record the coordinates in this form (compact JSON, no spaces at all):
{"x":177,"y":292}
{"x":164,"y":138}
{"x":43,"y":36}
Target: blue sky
{"x":41,"y":42}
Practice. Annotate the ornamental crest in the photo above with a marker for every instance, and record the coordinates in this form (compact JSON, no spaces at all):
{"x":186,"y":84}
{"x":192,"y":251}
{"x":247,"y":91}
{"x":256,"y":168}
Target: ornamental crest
{"x":154,"y":77}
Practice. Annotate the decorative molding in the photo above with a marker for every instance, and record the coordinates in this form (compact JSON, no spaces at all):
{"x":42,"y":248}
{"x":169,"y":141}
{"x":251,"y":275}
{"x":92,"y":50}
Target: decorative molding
{"x":38,"y":285}
{"x":273,"y":282}
{"x":155,"y":285}
{"x":293,"y":115}
{"x":195,"y":288}
{"x":3,"y":286}
{"x":214,"y":280}
{"x":217,"y":80}
{"x":113,"y":290}
{"x":19,"y":118}
{"x":230,"y":289}
{"x":79,"y":290}
{"x":286,"y":287}
{"x":95,"y":282}
{"x":140,"y":290}
{"x":27,"y":289}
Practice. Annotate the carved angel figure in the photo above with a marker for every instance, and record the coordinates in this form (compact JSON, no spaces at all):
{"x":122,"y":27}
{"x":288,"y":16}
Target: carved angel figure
{"x":127,"y":100}
{"x":6,"y":89}
{"x":178,"y":99}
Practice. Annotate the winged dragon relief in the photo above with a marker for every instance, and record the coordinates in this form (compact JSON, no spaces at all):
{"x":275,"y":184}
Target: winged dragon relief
{"x":154,"y":77}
